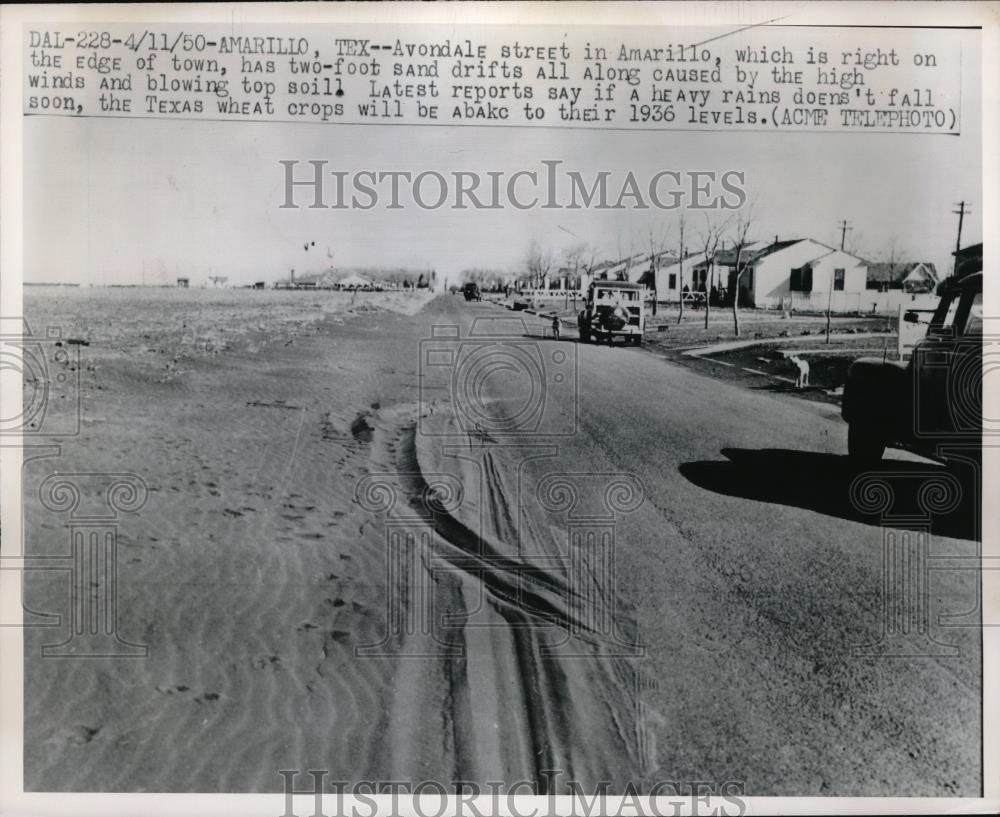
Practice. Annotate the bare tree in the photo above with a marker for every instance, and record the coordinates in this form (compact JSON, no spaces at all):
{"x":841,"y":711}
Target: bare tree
{"x":894,"y":261}
{"x":574,"y":257}
{"x":625,"y":256}
{"x":485,"y":278}
{"x":657,"y":248}
{"x":681,"y":249}
{"x":710,"y":238}
{"x":538,"y":264}
{"x":588,"y":262}
{"x":741,"y":232}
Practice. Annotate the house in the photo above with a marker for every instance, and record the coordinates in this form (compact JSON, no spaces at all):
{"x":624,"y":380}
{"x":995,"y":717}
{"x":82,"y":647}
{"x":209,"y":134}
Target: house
{"x":309,"y":280}
{"x":626,"y":269}
{"x":598,"y":271}
{"x":799,"y":272}
{"x":640,"y":271}
{"x":673,"y":274}
{"x":909,"y":276}
{"x":355,"y":281}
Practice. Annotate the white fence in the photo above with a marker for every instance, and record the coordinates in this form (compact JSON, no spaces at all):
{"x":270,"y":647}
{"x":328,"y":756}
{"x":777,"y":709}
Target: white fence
{"x":908,"y":333}
{"x":866,"y":302}
{"x":546,"y":294}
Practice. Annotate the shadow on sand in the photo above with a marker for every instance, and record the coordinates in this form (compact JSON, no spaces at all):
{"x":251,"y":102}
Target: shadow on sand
{"x":892,"y":493}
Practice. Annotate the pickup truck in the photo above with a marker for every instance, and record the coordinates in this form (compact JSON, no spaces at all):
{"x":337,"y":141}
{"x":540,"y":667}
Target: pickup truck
{"x":932,"y":404}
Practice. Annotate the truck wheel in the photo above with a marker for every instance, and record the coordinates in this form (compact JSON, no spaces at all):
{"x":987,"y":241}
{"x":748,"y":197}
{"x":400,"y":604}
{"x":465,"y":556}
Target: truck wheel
{"x":637,"y":340}
{"x":864,"y":442}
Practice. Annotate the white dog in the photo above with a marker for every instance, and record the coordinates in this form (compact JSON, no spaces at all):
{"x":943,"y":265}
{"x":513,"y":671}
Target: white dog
{"x":802,"y":380}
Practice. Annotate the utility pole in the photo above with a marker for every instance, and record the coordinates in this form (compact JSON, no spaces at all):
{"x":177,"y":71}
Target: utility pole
{"x":961,"y":212}
{"x":844,"y":227}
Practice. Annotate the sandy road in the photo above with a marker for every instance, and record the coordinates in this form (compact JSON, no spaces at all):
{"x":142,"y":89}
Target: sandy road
{"x":642,"y":575}
{"x":753,"y":582}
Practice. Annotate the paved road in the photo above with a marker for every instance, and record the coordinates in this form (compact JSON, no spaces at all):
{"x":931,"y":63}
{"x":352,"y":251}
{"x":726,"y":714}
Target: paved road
{"x":753,"y":582}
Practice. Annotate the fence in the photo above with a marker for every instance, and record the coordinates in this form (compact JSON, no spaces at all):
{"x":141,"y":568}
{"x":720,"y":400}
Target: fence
{"x":909,"y":332}
{"x":870,"y":301}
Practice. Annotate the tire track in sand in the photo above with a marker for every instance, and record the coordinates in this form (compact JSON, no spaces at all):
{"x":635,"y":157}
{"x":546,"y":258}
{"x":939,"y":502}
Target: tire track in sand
{"x":524,"y":686}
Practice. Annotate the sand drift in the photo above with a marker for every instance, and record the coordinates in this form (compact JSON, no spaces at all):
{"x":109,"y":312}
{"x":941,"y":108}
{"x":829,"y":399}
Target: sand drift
{"x":533,"y":686}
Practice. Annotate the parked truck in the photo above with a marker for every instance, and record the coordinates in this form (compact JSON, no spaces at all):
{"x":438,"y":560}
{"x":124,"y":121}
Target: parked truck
{"x":932,"y":404}
{"x":613,"y":309}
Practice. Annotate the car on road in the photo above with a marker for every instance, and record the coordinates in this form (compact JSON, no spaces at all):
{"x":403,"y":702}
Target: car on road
{"x":932,"y":404}
{"x":471,"y":292}
{"x":612,"y":309}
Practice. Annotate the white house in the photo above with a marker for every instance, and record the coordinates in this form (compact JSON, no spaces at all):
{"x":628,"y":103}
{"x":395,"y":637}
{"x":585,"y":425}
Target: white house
{"x":627,"y":269}
{"x":802,"y":273}
{"x":673,"y":274}
{"x":910,"y":276}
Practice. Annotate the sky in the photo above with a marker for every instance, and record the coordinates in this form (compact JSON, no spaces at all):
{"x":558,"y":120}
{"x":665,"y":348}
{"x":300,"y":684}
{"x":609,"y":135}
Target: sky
{"x":132,"y":201}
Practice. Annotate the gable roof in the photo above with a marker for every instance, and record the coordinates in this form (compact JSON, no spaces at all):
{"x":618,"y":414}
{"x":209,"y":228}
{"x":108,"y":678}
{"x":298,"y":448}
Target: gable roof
{"x":773,"y":247}
{"x":354,"y":280}
{"x":754,"y":253}
{"x":895,"y":273}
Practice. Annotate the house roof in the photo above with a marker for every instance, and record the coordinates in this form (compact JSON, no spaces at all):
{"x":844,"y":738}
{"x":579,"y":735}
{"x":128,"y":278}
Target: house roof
{"x":752,"y":251}
{"x":690,"y":261}
{"x":897,"y":272}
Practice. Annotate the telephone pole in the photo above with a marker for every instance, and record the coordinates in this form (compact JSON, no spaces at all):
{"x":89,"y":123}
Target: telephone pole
{"x":844,"y":227}
{"x":961,"y":212}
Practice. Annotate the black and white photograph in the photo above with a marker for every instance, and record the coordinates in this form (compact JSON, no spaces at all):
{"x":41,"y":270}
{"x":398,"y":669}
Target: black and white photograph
{"x":498,"y":408}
